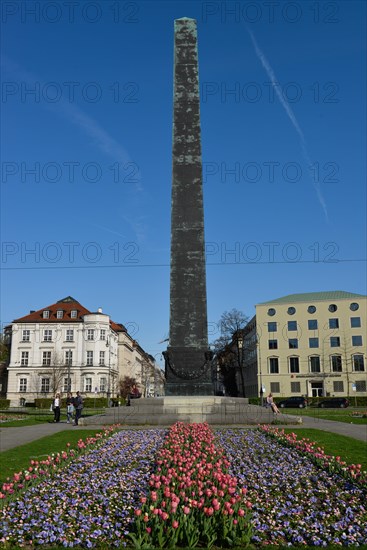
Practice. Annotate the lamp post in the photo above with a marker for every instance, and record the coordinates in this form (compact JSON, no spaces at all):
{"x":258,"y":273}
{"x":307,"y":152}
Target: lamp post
{"x":108,"y":345}
{"x":240,"y":361}
{"x":69,"y":374}
{"x":260,"y":372}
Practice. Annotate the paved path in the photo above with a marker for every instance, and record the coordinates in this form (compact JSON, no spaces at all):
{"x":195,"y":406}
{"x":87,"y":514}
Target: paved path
{"x":13,"y":437}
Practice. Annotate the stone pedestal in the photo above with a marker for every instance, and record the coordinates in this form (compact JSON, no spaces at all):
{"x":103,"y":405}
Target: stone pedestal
{"x":165,"y":411}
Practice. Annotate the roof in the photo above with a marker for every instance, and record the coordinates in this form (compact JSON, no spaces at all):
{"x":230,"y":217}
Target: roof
{"x":315,"y":297}
{"x":67,"y":305}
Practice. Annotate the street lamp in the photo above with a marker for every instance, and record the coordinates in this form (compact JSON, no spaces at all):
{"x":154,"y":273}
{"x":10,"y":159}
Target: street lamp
{"x":108,"y":345}
{"x":69,"y":373}
{"x":261,"y":378}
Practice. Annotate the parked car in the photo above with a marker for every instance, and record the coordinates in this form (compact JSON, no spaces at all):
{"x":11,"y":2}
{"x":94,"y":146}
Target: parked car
{"x":335,"y":402}
{"x":295,"y":402}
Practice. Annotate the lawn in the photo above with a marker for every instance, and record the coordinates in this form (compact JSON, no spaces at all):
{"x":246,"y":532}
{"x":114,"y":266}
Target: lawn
{"x":340,"y":415}
{"x":38,"y":417}
{"x":17,"y":459}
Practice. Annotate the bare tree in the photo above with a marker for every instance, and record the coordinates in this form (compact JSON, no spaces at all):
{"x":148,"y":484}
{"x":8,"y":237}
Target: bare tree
{"x":125,"y":384}
{"x":229,"y":348}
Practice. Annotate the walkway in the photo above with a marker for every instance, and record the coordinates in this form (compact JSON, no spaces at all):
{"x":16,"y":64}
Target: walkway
{"x":13,"y":437}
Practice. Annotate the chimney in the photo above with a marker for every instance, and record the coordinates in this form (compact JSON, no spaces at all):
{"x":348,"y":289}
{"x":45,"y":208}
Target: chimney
{"x":32,"y":311}
{"x":99,"y":310}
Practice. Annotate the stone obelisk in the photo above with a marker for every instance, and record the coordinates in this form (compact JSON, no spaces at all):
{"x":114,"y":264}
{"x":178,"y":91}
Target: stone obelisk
{"x":187,"y":359}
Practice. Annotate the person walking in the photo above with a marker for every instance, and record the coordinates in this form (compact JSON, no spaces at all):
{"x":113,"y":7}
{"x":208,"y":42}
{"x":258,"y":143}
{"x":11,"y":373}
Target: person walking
{"x":57,"y":408}
{"x":69,"y":407}
{"x":78,"y":404}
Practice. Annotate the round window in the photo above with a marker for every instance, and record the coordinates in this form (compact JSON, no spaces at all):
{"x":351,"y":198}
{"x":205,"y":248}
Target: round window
{"x":333,"y":307}
{"x":291,"y":310}
{"x":271,"y":311}
{"x":311,"y":309}
{"x":354,"y":306}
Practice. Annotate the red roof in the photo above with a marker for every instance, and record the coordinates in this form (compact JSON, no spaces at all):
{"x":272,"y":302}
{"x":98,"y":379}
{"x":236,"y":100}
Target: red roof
{"x":67,"y":305}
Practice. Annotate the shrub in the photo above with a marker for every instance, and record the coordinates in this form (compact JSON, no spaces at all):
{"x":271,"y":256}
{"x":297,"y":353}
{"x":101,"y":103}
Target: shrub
{"x":4,"y":403}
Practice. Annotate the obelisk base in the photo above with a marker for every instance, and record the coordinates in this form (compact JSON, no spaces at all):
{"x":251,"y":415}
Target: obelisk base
{"x":188,"y":371}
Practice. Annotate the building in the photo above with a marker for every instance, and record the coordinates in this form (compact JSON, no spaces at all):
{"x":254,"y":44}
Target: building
{"x":311,"y":344}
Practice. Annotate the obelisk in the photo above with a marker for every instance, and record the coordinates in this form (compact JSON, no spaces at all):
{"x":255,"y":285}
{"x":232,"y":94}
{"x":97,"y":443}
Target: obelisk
{"x":187,"y":359}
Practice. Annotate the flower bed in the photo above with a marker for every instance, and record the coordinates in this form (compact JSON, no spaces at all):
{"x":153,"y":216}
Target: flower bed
{"x":294,"y":501}
{"x":333,"y":464}
{"x":90,"y":500}
{"x":41,"y":468}
{"x":4,"y":417}
{"x":193,"y":501}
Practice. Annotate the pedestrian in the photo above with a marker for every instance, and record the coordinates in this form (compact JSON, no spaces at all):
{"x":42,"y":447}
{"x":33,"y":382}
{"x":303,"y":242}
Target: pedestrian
{"x":78,"y":404}
{"x":270,"y":403}
{"x":56,"y":407}
{"x":69,"y":407}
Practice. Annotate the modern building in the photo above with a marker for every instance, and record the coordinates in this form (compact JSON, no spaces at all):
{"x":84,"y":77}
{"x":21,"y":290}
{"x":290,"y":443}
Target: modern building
{"x":311,"y":344}
{"x":65,"y":346}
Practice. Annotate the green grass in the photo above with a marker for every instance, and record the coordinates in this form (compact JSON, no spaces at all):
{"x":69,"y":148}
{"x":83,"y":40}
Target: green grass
{"x":41,"y":417}
{"x":340,"y":415}
{"x":19,"y":458}
{"x":352,"y":451}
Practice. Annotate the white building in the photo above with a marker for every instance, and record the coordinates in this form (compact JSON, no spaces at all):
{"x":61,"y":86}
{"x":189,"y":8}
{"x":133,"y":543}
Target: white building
{"x":62,"y":346}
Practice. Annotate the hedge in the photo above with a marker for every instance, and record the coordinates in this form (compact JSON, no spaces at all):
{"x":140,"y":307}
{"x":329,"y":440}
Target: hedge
{"x":313,"y":401}
{"x":4,"y":403}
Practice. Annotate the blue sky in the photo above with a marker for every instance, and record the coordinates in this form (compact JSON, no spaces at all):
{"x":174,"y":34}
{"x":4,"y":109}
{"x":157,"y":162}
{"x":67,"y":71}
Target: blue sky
{"x":86,"y":157}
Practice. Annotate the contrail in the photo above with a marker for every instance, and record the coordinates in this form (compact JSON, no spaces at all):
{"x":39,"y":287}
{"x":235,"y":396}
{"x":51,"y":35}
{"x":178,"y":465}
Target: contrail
{"x":291,"y":116}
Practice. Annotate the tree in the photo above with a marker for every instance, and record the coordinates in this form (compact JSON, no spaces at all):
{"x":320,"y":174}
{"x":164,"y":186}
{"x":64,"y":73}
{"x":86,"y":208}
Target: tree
{"x":125,"y":385}
{"x":230,"y":351}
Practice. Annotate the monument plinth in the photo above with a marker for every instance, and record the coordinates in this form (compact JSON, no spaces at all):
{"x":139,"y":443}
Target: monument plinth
{"x":187,"y":359}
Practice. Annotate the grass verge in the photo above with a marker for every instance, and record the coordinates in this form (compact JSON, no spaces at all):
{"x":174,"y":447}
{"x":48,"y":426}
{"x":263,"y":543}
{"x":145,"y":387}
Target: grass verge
{"x":352,"y":451}
{"x":339,"y":415}
{"x":17,"y":459}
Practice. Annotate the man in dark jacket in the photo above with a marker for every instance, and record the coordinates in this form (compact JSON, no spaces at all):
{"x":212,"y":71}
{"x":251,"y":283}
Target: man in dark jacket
{"x":78,"y":404}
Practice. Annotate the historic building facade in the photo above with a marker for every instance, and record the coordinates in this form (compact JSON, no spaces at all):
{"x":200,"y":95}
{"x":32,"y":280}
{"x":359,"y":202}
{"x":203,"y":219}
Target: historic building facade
{"x":311,"y":344}
{"x":65,"y":346}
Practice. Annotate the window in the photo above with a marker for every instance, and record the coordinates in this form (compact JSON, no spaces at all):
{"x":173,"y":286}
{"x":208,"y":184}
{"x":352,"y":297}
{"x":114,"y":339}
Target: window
{"x":311,"y":309}
{"x":88,"y":385}
{"x":45,"y":385}
{"x":294,"y":364}
{"x":271,"y":312}
{"x":24,"y":358}
{"x":333,"y":307}
{"x":356,"y":340}
{"x":272,"y":327}
{"x":313,"y":342}
{"x":47,"y":335}
{"x":334,"y":341}
{"x":295,"y":387}
{"x":46,"y":314}
{"x":315,"y":364}
{"x":354,"y":306}
{"x":70,"y":335}
{"x":361,"y":385}
{"x":333,"y":323}
{"x":103,"y":334}
{"x":90,"y":358}
{"x":101,"y":358}
{"x":358,"y":363}
{"x":312,"y":324}
{"x":355,"y":322}
{"x":273,"y":365}
{"x":26,"y":336}
{"x":274,"y":387}
{"x":336,"y":363}
{"x":102,"y":384}
{"x":291,"y":310}
{"x":46,"y":358}
{"x":67,"y":384}
{"x":90,"y":334}
{"x":60,"y":314}
{"x":292,"y":325}
{"x":293,"y":343}
{"x":22,"y":384}
{"x":338,"y":386}
{"x":273,"y":344}
{"x":73,"y":314}
{"x":68,"y":357}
